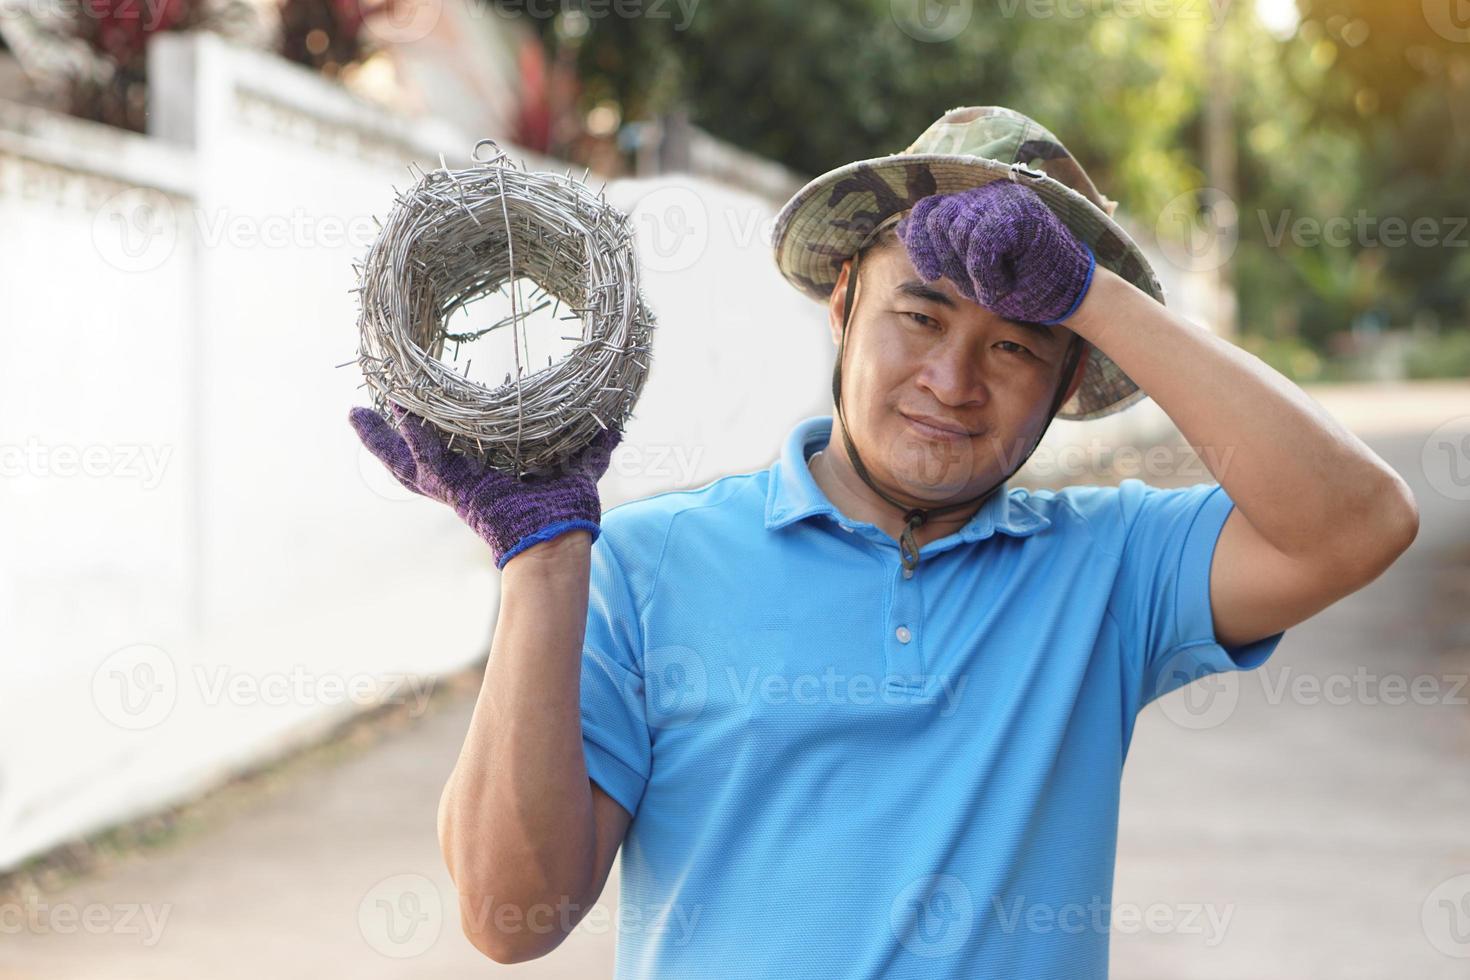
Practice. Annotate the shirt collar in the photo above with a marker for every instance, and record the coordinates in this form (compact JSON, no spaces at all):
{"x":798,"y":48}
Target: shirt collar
{"x":793,"y":494}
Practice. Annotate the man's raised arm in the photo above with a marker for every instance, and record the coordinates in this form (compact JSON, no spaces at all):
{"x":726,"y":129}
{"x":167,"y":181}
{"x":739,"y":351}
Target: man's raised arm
{"x":1318,"y":514}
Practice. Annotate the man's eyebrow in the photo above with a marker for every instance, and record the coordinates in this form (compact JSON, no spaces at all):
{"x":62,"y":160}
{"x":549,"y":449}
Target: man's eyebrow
{"x":919,"y":290}
{"x":922,"y":291}
{"x":1039,"y":329}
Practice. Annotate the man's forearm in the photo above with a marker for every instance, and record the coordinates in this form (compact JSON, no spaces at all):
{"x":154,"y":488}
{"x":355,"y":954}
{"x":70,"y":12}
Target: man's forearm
{"x":516,"y":820}
{"x":1306,"y":484}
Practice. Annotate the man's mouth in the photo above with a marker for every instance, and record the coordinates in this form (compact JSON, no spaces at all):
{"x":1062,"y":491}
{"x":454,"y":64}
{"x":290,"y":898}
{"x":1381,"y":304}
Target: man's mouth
{"x":936,"y":428}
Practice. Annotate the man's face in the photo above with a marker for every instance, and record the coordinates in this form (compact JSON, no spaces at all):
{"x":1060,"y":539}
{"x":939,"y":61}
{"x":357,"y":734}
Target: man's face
{"x":942,"y":397}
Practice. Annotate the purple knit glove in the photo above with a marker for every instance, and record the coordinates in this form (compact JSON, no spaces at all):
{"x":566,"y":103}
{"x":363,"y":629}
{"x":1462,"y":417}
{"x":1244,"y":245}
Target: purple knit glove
{"x":1003,"y":249}
{"x":511,"y":514}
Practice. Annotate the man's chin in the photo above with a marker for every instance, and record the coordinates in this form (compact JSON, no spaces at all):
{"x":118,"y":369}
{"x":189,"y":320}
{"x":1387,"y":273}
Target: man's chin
{"x":936,"y":469}
{"x":931,"y":483}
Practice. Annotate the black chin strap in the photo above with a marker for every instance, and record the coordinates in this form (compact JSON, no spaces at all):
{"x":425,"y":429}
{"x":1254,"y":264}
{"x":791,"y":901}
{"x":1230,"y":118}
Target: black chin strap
{"x":915,"y":517}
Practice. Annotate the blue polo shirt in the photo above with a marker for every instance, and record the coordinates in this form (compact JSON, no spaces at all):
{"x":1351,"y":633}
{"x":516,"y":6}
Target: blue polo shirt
{"x":835,"y":769}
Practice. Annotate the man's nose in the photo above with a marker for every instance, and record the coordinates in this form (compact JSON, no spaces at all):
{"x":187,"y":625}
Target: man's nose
{"x":957,"y":376}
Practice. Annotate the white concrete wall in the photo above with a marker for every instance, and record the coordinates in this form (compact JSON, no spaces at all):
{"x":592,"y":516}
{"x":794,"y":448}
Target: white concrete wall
{"x":199,"y":565}
{"x":95,"y":514}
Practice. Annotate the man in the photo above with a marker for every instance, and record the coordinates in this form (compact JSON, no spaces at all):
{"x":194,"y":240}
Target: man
{"x":864,"y":713}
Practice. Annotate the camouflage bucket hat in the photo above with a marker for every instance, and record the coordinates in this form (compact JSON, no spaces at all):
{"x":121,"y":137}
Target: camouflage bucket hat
{"x":826,"y":221}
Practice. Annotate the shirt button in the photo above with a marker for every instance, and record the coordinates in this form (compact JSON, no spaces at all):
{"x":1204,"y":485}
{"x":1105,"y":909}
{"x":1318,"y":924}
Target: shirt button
{"x":903,"y":634}
{"x":908,"y":573}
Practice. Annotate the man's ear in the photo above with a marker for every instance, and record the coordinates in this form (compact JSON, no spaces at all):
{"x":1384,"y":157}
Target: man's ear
{"x":835,"y":301}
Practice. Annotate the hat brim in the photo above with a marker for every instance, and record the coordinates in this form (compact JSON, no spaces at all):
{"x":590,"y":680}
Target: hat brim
{"x":825,"y":222}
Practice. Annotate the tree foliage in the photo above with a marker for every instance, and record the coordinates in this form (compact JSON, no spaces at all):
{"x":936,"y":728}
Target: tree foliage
{"x":1363,"y":109}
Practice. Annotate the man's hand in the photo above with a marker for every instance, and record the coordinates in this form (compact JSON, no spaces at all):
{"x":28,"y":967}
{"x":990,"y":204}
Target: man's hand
{"x":511,"y":514}
{"x":1002,"y":248}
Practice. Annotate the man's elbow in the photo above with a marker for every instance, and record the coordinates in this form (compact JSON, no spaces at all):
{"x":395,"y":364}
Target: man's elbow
{"x":504,"y":932}
{"x":1401,"y":520}
{"x":506,"y":952}
{"x":1389,"y":528}
{"x":508,"y":949}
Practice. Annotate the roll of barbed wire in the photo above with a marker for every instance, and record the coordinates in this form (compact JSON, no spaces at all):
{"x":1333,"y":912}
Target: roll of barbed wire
{"x":460,"y":235}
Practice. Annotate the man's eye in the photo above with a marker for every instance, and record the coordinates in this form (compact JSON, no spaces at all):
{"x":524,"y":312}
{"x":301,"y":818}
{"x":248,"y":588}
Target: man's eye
{"x":1015,"y":348}
{"x":923,"y":320}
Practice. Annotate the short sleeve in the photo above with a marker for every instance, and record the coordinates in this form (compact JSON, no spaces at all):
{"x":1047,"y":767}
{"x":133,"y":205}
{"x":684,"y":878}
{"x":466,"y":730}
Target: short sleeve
{"x":1162,"y":601}
{"x":615,"y":736}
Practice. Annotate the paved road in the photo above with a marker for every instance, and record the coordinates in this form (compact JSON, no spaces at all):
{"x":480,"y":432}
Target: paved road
{"x":1315,"y":805}
{"x":1292,"y":823}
